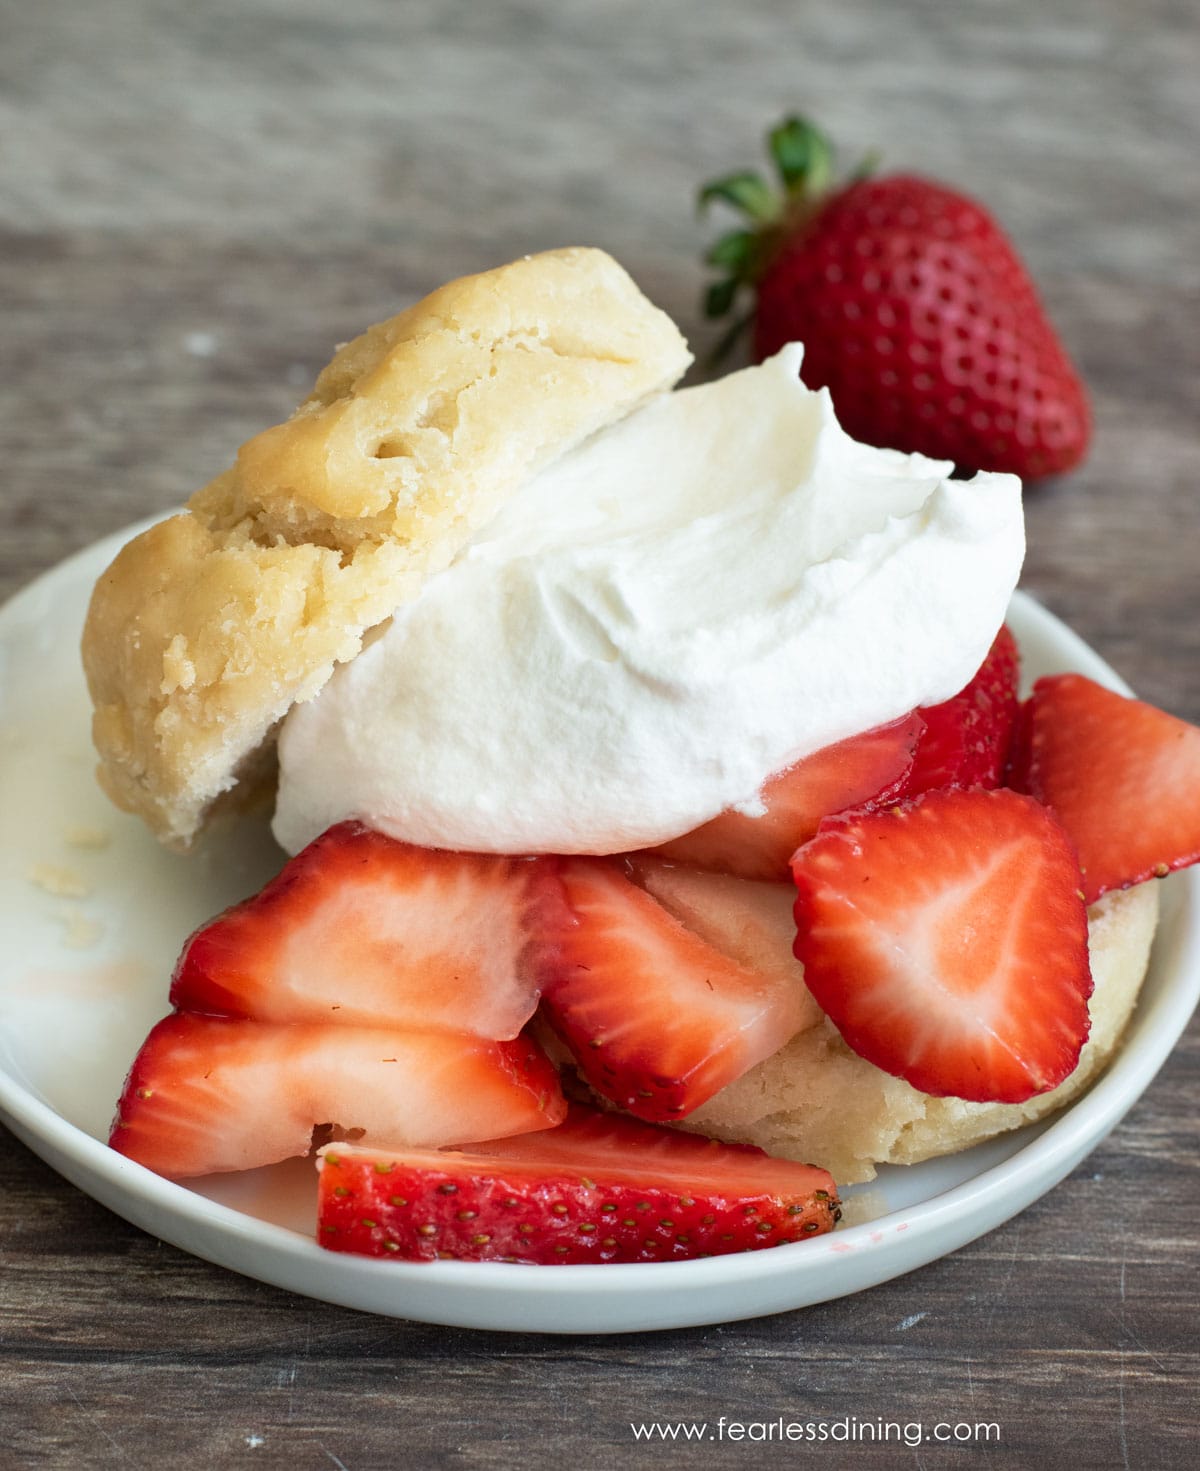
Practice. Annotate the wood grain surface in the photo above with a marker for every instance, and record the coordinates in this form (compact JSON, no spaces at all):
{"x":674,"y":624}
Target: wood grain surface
{"x":196,"y":202}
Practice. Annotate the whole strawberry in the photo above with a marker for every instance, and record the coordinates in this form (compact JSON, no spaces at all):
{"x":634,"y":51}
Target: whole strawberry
{"x":913,"y":307}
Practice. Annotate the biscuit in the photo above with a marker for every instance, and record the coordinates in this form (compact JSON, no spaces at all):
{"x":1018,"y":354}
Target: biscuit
{"x":207,"y":628}
{"x":816,"y":1100}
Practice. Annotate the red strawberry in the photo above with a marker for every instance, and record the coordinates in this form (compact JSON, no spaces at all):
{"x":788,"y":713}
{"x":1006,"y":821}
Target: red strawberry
{"x":599,"y":1188}
{"x":1122,"y":777}
{"x":865,"y":768}
{"x":1016,"y":770}
{"x":746,"y":919}
{"x":656,"y":1019}
{"x":213,"y":1093}
{"x":966,"y":739}
{"x":947,"y":941}
{"x":362,"y":930}
{"x":913,"y":307}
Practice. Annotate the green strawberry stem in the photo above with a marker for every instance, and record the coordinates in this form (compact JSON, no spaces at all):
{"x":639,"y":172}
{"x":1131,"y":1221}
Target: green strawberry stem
{"x":803,"y":160}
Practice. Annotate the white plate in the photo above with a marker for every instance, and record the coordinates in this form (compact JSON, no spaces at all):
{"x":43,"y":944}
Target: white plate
{"x":84,"y":977}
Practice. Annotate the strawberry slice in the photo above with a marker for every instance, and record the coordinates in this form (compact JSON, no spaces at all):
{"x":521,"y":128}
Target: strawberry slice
{"x":599,"y":1188}
{"x":214,"y":1093}
{"x":864,"y":769}
{"x":1016,"y":769}
{"x":362,"y":930}
{"x":656,"y":1019}
{"x":966,"y":739}
{"x":748,"y":920}
{"x":946,"y":939}
{"x":1122,"y":777}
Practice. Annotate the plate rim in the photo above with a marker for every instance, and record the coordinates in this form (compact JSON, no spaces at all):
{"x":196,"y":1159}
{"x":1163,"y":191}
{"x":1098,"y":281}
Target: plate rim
{"x":775,"y":1280}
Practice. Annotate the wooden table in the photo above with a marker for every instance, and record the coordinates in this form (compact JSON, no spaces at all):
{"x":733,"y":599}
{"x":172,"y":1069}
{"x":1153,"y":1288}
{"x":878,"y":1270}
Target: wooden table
{"x":197,"y":202}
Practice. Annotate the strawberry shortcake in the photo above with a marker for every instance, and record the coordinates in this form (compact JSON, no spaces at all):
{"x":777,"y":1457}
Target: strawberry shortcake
{"x":662,"y":811}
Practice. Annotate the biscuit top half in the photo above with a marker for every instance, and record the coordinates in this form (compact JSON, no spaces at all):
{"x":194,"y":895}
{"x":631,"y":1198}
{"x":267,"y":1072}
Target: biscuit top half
{"x":208,"y":627}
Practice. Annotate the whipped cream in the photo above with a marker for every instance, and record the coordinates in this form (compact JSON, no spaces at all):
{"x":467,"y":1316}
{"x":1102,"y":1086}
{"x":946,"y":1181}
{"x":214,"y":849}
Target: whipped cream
{"x":720,"y":584}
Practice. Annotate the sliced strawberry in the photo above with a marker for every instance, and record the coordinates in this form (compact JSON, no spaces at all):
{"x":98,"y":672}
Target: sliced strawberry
{"x":1016,"y":770}
{"x":864,"y":769}
{"x":966,"y":738}
{"x":656,"y":1019}
{"x":1122,"y":777}
{"x":946,"y":939}
{"x":599,"y":1188}
{"x":362,"y":930}
{"x":214,"y":1093}
{"x":747,"y":920}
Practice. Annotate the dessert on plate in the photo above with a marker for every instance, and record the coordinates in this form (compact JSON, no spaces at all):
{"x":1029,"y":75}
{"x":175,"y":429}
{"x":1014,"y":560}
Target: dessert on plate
{"x":653,"y":767}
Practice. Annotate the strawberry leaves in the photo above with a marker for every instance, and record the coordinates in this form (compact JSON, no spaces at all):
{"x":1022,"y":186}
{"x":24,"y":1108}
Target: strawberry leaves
{"x":803,"y":160}
{"x":746,"y":191}
{"x":802,"y":156}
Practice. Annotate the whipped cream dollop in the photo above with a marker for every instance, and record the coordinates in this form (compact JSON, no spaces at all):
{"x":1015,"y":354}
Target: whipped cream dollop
{"x":701,"y":594}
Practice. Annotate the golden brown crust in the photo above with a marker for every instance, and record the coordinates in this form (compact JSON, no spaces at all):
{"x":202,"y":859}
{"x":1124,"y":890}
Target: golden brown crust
{"x":207,"y":628}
